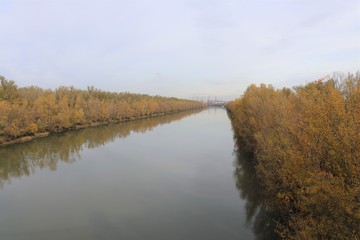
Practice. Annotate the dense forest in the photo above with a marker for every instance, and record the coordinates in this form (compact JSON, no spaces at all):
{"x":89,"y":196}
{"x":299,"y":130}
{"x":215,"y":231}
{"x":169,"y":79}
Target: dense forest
{"x":305,"y":145}
{"x":32,"y":111}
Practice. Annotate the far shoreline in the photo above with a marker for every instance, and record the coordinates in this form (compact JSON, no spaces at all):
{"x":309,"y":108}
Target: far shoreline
{"x":29,"y":138}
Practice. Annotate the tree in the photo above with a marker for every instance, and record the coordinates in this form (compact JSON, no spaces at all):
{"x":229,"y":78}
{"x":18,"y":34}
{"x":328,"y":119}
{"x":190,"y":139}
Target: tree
{"x":8,"y":89}
{"x":307,"y":149}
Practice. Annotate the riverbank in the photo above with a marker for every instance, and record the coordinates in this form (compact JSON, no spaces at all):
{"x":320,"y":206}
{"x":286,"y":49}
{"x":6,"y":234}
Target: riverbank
{"x":29,"y":111}
{"x":24,"y":139}
{"x":29,"y":138}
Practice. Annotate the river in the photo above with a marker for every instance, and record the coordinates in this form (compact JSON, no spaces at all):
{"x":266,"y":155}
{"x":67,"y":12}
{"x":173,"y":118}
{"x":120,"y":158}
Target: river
{"x":170,"y":177}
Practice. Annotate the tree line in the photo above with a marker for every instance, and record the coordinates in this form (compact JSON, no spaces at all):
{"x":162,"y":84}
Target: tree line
{"x":306,"y":147}
{"x":28,"y":111}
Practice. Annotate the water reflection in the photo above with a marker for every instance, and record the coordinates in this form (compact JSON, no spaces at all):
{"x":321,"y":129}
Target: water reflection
{"x":22,"y":159}
{"x":257,"y":216}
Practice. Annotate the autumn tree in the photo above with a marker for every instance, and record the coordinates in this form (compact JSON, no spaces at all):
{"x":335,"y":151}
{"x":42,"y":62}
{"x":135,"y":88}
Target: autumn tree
{"x":306,"y":144}
{"x":31,"y":110}
{"x":8,"y":89}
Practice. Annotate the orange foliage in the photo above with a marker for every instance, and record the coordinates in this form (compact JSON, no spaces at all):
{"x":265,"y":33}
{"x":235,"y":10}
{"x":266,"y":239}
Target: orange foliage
{"x":306,"y":144}
{"x":31,"y":110}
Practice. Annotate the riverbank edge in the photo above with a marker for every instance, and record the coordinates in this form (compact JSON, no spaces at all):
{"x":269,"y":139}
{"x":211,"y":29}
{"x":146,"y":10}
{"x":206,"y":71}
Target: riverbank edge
{"x":262,"y":206}
{"x":29,"y":138}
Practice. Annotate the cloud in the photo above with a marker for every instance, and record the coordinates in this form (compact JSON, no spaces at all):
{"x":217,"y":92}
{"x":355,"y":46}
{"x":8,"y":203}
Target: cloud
{"x":181,"y":48}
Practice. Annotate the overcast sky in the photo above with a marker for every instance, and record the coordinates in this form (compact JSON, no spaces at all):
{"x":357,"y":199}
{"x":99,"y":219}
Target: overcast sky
{"x":181,"y":48}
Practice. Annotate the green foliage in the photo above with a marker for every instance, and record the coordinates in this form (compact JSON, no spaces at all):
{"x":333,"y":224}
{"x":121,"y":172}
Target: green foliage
{"x":306,"y":144}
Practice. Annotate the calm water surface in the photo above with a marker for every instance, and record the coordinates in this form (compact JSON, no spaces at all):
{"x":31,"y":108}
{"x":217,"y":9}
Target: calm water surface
{"x":171,"y":177}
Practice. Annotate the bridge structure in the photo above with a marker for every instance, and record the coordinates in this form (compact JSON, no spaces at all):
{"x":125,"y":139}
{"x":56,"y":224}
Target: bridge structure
{"x":216,"y":103}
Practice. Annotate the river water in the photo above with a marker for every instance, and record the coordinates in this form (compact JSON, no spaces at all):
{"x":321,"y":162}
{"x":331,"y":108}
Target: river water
{"x":169,"y":177}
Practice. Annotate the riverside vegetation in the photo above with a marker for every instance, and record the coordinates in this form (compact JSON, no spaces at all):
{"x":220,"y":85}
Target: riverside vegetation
{"x":306,"y":148}
{"x":30,"y":112}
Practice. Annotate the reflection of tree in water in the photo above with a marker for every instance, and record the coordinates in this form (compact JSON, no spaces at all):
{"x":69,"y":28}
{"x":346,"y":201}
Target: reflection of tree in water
{"x":257,"y":215}
{"x":22,"y":159}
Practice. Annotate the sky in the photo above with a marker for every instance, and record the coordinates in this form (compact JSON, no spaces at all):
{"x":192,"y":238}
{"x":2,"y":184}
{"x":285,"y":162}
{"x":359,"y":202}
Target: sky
{"x":192,"y":49}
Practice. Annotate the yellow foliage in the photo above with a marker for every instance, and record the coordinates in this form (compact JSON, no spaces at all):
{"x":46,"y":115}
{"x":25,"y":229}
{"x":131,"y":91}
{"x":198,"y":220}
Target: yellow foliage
{"x":32,"y":128}
{"x":31,"y":110}
{"x":307,"y":147}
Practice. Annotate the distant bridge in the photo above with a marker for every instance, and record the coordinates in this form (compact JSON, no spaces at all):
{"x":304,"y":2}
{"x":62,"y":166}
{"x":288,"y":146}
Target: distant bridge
{"x":216,"y":103}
